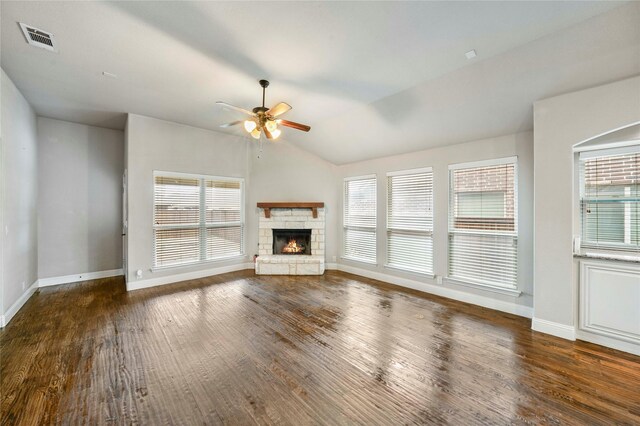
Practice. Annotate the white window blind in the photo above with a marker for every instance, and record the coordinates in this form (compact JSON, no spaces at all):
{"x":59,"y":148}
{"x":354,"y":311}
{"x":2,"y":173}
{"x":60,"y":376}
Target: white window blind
{"x":223,"y":201}
{"x":610,"y":199}
{"x":359,"y":222}
{"x":196,"y":219}
{"x":483,"y":225}
{"x":176,"y":220}
{"x":410,"y":220}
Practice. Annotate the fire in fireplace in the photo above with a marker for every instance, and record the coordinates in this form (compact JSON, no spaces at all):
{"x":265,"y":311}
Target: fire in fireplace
{"x":293,"y":247}
{"x":292,"y":241}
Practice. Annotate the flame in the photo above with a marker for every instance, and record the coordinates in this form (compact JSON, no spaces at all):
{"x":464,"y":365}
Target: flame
{"x":292,"y":247}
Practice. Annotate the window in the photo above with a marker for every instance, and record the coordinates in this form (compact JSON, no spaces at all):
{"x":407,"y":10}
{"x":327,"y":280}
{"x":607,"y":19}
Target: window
{"x":360,"y":219}
{"x":410,"y":220}
{"x":196,"y":218}
{"x":483,"y":225}
{"x":488,"y":204}
{"x":610,"y":199}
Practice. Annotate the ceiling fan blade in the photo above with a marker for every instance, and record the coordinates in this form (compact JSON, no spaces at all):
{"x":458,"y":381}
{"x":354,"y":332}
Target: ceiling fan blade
{"x":235,"y":108}
{"x":279,"y":109}
{"x":267,"y":133}
{"x":294,"y":125}
{"x":233,"y":123}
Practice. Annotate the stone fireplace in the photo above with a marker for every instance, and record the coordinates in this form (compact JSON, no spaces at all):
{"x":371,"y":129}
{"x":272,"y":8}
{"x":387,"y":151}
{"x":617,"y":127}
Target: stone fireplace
{"x":291,"y":239}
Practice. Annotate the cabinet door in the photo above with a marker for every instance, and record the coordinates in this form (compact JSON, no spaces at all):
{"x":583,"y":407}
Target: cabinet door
{"x":610,"y":300}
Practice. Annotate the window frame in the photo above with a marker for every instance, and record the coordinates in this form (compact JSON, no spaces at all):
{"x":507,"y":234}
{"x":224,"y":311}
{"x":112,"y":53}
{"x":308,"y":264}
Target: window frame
{"x":345,"y":227}
{"x":511,"y":290}
{"x":202,"y":225}
{"x":613,"y":250}
{"x":428,"y":272}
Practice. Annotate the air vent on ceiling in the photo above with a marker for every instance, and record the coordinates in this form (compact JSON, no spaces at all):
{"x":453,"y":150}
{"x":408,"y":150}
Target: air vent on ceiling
{"x":37,"y":37}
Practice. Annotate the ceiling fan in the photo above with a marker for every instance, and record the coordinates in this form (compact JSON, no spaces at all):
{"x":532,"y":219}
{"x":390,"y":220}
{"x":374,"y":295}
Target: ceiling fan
{"x":262,"y":119}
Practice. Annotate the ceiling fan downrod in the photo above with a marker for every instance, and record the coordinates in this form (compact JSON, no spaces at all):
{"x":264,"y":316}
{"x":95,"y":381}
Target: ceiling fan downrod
{"x":264,"y":84}
{"x":262,"y":109}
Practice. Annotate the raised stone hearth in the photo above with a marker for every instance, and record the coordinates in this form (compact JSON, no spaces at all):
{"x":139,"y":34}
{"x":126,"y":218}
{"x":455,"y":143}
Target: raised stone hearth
{"x":270,"y":263}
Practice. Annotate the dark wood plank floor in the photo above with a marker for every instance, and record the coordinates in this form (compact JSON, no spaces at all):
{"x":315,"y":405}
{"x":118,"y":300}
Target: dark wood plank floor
{"x":336,"y":349}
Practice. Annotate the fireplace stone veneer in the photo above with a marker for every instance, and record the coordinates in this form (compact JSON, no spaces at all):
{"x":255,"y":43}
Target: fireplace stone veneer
{"x":269,"y":263}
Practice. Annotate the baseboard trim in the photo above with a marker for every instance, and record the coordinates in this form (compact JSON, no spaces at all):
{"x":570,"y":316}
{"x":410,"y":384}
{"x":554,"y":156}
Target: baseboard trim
{"x":632,"y":348}
{"x":563,"y":331}
{"x":4,"y":319}
{"x":171,"y":279}
{"x":487,"y":302}
{"x":66,"y":279}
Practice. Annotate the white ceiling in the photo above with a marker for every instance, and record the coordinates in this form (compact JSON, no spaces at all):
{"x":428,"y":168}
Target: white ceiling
{"x":371,"y":78}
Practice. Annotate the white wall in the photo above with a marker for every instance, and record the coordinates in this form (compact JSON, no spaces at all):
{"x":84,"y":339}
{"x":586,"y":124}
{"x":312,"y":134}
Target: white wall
{"x":520,"y":145}
{"x":154,"y":144}
{"x":19,"y":197}
{"x":560,"y":123}
{"x":79,"y":198}
{"x":287,"y":173}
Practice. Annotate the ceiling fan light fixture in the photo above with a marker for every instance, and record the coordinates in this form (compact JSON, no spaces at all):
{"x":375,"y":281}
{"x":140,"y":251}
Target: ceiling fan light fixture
{"x":262,"y":119}
{"x":250,"y":125}
{"x":271,"y":125}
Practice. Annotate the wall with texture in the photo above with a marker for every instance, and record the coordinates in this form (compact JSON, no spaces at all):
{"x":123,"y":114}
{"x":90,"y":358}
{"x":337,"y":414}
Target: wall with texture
{"x":560,"y":123}
{"x":158,"y":145}
{"x":520,"y":145}
{"x":19,"y":194}
{"x":286,"y":173}
{"x":79,"y":198}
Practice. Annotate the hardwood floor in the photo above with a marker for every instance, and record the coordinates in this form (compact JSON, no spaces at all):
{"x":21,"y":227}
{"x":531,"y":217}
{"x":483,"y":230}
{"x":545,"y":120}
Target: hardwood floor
{"x":336,"y":349}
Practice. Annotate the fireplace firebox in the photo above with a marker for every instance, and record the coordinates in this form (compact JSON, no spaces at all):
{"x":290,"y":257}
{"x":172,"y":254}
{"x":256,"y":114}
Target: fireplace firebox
{"x":292,"y":241}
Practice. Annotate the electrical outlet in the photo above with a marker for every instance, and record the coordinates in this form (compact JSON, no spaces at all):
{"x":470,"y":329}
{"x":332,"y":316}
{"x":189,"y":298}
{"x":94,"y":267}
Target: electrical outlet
{"x":24,"y":285}
{"x":334,"y":258}
{"x":139,"y":273}
{"x":439,"y":279}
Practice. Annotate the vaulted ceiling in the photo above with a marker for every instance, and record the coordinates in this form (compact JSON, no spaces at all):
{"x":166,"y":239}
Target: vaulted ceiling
{"x":371,"y":78}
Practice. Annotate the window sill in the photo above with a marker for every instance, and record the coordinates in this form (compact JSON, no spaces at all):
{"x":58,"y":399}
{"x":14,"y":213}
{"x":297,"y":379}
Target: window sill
{"x":353,"y":259}
{"x":192,"y":264}
{"x":607,"y":256}
{"x":410,"y":271}
{"x":487,"y":287}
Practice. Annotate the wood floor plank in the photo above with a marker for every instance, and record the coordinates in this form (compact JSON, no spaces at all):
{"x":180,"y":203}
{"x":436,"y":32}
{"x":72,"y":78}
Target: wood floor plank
{"x":335,"y":349}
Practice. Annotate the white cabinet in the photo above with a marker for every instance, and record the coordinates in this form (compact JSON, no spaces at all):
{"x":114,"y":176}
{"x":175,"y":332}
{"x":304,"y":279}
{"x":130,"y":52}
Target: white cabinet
{"x":610,"y":304}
